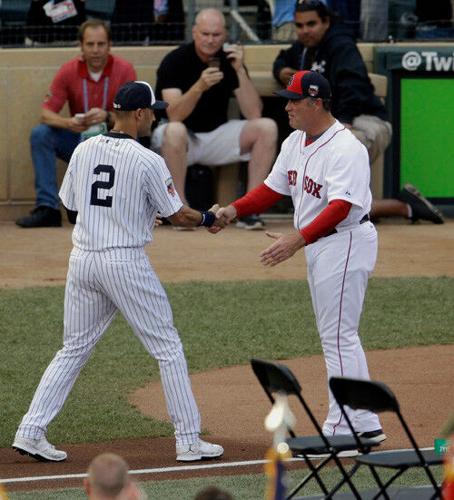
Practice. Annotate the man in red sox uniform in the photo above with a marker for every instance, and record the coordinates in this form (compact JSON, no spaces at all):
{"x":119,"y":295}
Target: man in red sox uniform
{"x":325,"y":170}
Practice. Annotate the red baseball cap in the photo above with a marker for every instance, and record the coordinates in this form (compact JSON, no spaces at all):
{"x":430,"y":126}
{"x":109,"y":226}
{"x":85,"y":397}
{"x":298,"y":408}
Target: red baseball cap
{"x":306,"y":84}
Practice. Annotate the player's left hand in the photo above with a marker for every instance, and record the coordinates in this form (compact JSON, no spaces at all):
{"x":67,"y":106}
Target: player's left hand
{"x":235,"y":54}
{"x":285,"y":246}
{"x":95,"y":116}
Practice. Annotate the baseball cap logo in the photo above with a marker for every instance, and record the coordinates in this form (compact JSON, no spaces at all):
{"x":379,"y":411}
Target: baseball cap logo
{"x":313,"y":90}
{"x":290,"y":81}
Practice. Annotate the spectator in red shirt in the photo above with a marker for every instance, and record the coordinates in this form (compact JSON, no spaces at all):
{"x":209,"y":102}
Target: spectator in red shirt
{"x":89,"y":84}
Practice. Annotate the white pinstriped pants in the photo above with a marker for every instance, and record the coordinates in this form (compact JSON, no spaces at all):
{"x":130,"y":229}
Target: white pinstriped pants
{"x":98,"y":285}
{"x":338,"y":271}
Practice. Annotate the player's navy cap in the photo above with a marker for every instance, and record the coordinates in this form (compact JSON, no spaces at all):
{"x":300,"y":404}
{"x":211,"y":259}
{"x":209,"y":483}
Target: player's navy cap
{"x":135,"y":95}
{"x":306,"y":84}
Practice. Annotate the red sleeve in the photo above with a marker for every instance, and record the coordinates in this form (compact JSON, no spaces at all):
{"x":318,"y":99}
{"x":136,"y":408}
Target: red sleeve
{"x":326,"y":220}
{"x":256,"y":201}
{"x":57,"y":95}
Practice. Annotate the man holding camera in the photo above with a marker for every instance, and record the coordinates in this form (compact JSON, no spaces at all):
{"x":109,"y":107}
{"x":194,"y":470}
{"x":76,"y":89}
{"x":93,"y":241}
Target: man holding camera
{"x":197,"y":80}
{"x":88,"y":83}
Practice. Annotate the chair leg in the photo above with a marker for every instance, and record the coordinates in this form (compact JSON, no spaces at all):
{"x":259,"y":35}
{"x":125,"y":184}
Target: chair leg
{"x":350,"y":474}
{"x":379,"y":481}
{"x":313,"y":474}
{"x":383,"y":487}
{"x":346,"y":479}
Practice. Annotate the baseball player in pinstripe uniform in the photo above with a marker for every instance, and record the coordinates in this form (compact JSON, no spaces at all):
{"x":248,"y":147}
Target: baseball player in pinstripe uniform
{"x":117,"y":187}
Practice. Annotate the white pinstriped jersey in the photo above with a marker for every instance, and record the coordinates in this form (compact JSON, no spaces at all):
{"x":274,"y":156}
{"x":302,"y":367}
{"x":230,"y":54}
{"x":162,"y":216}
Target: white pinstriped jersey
{"x":117,"y":187}
{"x":334,"y":167}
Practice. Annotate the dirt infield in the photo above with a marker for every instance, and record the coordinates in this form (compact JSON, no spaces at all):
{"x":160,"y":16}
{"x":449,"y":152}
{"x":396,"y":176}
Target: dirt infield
{"x":39,"y":257}
{"x":418,"y":375}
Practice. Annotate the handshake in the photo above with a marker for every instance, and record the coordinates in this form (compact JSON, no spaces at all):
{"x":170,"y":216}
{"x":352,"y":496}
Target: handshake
{"x":224,"y":216}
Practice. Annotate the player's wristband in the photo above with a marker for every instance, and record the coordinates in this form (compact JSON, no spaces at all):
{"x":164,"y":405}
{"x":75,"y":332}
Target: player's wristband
{"x":208,"y":218}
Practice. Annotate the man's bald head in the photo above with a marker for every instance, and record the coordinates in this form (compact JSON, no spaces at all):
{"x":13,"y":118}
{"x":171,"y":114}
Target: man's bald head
{"x":107,"y":476}
{"x":210,"y":16}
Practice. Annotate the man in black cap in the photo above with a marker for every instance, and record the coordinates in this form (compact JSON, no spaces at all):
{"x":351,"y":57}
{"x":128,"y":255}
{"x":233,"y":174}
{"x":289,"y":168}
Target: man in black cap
{"x":117,"y":187}
{"x":325,"y":170}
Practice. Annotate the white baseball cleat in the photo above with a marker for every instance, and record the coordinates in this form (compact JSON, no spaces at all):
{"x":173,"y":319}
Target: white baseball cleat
{"x":40,"y":449}
{"x":198,"y":450}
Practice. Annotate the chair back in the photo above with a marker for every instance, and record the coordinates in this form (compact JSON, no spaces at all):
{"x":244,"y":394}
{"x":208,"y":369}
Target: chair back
{"x":275,"y":377}
{"x":369,"y":395}
{"x":363,"y":394}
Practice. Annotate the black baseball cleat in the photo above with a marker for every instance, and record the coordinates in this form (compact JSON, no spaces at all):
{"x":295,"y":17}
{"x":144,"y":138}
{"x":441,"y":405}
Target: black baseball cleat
{"x":376,"y":436}
{"x":420,"y":206}
{"x":41,"y":217}
{"x":251,"y":223}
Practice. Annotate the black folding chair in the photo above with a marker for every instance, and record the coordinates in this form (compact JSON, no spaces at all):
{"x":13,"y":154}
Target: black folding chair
{"x":278,"y":378}
{"x":378,"y":397}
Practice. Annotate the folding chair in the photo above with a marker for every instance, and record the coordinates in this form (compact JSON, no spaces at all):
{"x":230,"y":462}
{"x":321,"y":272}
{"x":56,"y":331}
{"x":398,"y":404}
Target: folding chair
{"x":278,"y":378}
{"x":378,"y":397}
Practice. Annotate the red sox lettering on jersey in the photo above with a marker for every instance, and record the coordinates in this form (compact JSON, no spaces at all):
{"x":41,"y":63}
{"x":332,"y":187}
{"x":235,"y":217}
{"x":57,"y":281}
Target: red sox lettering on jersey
{"x":310,"y":186}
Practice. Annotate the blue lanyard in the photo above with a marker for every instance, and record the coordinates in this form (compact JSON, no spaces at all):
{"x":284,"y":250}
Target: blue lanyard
{"x":104,"y":97}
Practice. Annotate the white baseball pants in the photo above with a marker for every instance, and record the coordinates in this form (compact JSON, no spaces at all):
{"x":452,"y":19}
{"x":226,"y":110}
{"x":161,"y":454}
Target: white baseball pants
{"x":338,"y":270}
{"x":98,"y":285}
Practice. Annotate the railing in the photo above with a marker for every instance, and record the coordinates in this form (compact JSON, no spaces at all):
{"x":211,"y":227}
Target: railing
{"x":248,"y":21}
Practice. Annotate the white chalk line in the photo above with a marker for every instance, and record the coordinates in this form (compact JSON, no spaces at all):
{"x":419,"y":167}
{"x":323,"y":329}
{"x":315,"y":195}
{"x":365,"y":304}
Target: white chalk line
{"x":161,"y":470}
{"x":158,"y":470}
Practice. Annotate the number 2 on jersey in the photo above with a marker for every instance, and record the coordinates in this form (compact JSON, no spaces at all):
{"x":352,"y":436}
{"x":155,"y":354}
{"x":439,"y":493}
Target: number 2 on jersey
{"x":95,"y":199}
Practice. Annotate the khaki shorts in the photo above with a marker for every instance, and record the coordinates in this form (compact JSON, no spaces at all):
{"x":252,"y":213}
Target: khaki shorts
{"x":218,"y":147}
{"x":374,"y":133}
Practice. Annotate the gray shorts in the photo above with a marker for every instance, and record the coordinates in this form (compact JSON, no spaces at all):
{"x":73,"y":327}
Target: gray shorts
{"x":374,"y":133}
{"x":218,"y":147}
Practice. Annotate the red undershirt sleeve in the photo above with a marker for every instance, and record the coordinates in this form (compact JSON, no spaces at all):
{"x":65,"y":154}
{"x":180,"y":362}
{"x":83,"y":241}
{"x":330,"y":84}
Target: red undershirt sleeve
{"x":326,"y":220}
{"x":256,"y":201}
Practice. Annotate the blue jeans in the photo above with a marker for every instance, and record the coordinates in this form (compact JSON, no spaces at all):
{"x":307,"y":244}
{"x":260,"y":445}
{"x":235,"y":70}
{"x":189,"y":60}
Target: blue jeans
{"x":48,"y":144}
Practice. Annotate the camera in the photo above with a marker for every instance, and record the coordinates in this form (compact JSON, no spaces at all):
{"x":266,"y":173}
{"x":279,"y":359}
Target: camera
{"x":214,"y":62}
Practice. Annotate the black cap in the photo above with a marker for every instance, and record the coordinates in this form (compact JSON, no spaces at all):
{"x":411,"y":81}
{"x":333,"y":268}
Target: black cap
{"x":306,"y":84}
{"x":135,"y":95}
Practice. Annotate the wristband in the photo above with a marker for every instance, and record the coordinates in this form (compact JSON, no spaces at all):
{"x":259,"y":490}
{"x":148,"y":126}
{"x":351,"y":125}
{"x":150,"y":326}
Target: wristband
{"x":208,"y":218}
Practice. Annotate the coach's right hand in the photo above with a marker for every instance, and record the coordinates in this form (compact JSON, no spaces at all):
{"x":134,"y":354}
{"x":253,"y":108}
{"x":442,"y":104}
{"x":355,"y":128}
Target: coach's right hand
{"x":224,"y":216}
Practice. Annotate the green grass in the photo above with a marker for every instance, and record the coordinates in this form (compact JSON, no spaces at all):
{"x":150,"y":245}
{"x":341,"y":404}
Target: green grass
{"x":244,"y":487}
{"x":221,"y":324}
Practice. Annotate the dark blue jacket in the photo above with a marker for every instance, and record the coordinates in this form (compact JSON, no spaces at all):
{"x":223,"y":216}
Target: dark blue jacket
{"x":339,"y":60}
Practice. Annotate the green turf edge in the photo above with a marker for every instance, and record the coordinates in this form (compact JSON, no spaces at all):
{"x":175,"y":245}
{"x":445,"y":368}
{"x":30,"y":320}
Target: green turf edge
{"x":242,"y":487}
